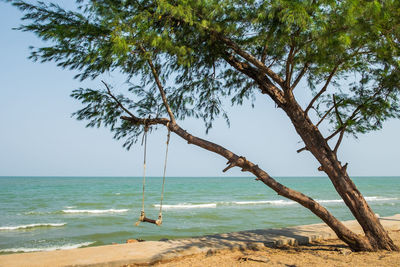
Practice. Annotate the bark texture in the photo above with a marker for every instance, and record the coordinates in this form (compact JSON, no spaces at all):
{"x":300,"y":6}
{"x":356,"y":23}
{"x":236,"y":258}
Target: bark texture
{"x":375,"y":234}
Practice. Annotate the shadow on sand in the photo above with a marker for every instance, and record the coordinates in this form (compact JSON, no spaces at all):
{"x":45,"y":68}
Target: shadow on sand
{"x":253,"y":239}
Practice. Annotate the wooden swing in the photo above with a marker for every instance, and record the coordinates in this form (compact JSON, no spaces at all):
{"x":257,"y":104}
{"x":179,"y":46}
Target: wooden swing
{"x":143,"y":217}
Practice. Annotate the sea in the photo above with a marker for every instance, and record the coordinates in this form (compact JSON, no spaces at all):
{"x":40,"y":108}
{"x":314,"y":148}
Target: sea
{"x":52,"y":213}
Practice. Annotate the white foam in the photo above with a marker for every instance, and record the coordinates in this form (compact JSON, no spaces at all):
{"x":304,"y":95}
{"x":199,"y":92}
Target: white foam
{"x":70,"y":207}
{"x":329,"y":200}
{"x":271,"y":202}
{"x":188,"y":206}
{"x":370,"y":199}
{"x":380,"y":198}
{"x":28,"y":226}
{"x":96,"y":211}
{"x":289,"y":202}
{"x":63,"y":247}
{"x":279,"y":202}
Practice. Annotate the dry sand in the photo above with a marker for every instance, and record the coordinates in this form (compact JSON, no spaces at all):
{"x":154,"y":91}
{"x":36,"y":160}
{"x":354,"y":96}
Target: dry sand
{"x":324,"y":253}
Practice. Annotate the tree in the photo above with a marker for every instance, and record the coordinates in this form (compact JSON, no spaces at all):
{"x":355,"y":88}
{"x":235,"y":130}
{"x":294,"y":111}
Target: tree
{"x":191,"y":55}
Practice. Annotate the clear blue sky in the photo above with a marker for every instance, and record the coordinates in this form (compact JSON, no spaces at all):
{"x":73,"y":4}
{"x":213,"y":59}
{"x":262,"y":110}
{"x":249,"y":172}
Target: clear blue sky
{"x":39,"y":137}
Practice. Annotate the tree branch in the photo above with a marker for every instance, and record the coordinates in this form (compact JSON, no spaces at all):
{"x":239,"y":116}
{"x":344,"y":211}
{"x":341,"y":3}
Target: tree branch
{"x":339,"y":141}
{"x":326,"y":114}
{"x":330,"y":78}
{"x":132,"y":118}
{"x":266,"y":86}
{"x":258,"y":64}
{"x":334,"y":134}
{"x":264,"y":53}
{"x":141,"y":121}
{"x":320,"y":121}
{"x":340,"y":123}
{"x":300,"y":76}
{"x":323,"y":88}
{"x":117,"y":101}
{"x":344,"y":125}
{"x":289,"y":62}
{"x":273,"y":62}
{"x":352,"y":116}
{"x":302,"y":149}
{"x":337,"y":110}
{"x":160,"y":87}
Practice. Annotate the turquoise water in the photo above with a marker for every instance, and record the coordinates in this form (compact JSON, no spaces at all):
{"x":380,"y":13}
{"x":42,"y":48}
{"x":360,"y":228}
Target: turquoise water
{"x":47,"y":213}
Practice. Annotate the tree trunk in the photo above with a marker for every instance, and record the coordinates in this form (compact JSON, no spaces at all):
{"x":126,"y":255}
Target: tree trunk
{"x":375,"y":234}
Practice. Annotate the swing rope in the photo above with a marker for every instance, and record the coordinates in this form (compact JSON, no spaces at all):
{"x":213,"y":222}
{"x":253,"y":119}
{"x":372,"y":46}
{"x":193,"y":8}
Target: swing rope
{"x":144,"y":141}
{"x":165,"y":170}
{"x":143,"y":217}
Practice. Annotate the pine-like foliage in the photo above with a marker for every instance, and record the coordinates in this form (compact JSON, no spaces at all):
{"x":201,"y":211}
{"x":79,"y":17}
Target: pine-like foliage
{"x":353,"y":44}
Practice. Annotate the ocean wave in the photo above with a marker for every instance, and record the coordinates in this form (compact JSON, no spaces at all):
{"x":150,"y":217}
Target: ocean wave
{"x":37,"y":212}
{"x":63,"y":247}
{"x":381,"y":198}
{"x":29,"y":226}
{"x":289,"y":202}
{"x":271,"y":202}
{"x":329,"y":200}
{"x":96,"y":211}
{"x":278,"y":202}
{"x":369,"y":199}
{"x":188,"y":206}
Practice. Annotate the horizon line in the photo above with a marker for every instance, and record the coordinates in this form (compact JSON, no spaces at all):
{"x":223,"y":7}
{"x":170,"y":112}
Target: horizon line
{"x":180,"y":176}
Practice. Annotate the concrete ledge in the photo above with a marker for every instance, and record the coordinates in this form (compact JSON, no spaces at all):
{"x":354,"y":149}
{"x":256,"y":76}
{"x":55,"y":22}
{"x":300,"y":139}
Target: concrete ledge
{"x":145,"y":253}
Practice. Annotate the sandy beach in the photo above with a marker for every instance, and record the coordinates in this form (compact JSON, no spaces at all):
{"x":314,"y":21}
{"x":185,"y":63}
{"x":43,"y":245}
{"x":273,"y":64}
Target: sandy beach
{"x":327,"y":253}
{"x":306,"y":245}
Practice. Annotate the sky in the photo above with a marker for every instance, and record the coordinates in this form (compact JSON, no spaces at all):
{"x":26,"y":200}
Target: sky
{"x":38,"y":136}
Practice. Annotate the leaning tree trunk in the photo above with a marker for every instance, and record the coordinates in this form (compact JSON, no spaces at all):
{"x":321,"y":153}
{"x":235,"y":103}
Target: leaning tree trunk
{"x":376,"y":235}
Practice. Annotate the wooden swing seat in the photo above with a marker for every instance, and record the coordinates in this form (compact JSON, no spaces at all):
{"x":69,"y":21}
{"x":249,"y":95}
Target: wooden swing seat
{"x":143,"y":218}
{"x":156,"y":222}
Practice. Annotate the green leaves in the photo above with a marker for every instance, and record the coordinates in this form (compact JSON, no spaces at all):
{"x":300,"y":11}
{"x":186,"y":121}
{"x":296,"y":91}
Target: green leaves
{"x":102,"y":110}
{"x":361,"y":38}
